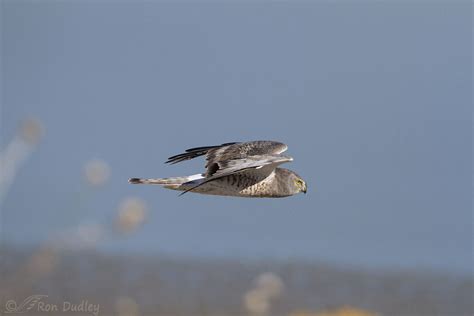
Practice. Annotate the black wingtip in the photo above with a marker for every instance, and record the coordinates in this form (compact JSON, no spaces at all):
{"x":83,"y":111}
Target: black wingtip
{"x":193,"y":153}
{"x":134,"y":180}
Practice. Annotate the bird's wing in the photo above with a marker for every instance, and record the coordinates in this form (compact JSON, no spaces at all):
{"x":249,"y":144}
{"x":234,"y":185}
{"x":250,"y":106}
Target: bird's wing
{"x":194,"y":152}
{"x":229,"y":151}
{"x":216,"y":156}
{"x":261,"y":165}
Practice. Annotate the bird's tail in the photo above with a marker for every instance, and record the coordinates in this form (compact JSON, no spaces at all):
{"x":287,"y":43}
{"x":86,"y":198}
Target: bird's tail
{"x":169,"y":183}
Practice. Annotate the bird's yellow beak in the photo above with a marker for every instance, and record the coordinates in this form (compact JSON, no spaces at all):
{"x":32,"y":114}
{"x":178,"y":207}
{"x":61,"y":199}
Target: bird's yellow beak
{"x":304,"y":188}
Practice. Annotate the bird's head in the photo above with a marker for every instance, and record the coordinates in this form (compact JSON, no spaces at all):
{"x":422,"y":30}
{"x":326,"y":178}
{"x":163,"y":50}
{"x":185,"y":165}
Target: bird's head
{"x":301,"y":185}
{"x":297,"y":184}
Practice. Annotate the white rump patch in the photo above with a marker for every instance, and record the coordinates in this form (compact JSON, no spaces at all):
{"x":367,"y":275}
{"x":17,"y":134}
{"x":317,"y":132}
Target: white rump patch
{"x":195,"y":177}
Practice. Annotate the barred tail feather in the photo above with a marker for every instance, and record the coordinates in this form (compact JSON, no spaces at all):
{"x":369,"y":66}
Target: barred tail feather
{"x":147,"y":181}
{"x":170,"y":183}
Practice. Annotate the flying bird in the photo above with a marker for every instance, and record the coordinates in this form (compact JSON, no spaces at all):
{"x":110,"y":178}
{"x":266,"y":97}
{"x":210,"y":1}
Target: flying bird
{"x":242,"y":169}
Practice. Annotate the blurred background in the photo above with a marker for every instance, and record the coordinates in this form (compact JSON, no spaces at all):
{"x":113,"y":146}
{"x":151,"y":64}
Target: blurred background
{"x":374,"y":100}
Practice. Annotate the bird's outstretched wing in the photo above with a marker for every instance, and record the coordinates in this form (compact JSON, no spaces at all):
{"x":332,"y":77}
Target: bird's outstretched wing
{"x":194,"y":152}
{"x":260,"y":165}
{"x":217,"y":156}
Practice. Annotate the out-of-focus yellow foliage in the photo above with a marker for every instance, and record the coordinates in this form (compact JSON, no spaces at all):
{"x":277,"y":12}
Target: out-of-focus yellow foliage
{"x":31,"y":131}
{"x":268,"y":286}
{"x":42,"y":262}
{"x":96,"y":172}
{"x":131,"y":214}
{"x":126,"y":306}
{"x":342,"y":311}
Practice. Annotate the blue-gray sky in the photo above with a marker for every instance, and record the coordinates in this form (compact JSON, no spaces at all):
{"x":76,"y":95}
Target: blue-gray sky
{"x":374,"y":100}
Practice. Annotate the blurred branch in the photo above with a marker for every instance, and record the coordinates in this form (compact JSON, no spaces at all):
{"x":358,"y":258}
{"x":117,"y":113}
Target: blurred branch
{"x":17,"y":152}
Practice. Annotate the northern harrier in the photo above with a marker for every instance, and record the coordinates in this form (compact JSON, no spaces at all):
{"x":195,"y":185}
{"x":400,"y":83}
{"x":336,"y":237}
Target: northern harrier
{"x":247,"y":169}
